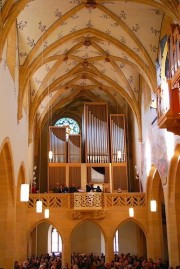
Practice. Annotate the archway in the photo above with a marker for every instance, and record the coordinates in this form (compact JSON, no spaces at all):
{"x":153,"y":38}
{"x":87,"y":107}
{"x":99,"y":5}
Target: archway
{"x":6,"y":206}
{"x":173,"y":209}
{"x":20,"y":251}
{"x":87,"y":238}
{"x":37,"y":246}
{"x":130,"y":238}
{"x":157,"y":234}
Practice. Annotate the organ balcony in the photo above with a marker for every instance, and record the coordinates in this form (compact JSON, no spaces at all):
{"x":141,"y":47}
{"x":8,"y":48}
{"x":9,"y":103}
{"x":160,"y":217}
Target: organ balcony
{"x":98,"y":154}
{"x":95,"y":204}
{"x":168,"y":106}
{"x":168,"y":93}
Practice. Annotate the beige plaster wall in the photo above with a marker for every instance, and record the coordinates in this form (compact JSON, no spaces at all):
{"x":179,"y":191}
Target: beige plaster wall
{"x":17,"y":132}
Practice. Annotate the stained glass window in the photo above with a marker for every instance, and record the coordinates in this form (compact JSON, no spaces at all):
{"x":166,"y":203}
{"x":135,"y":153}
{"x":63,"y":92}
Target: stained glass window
{"x":72,"y":126}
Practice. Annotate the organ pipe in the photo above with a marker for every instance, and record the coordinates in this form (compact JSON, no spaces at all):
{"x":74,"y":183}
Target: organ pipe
{"x":117,"y":131}
{"x":96,"y":140}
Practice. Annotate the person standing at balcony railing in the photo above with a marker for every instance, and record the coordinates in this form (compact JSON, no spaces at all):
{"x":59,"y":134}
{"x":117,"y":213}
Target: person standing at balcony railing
{"x":57,"y":188}
{"x":73,"y":188}
{"x":89,"y":187}
{"x":61,"y":190}
{"x":65,"y":189}
{"x":98,"y":189}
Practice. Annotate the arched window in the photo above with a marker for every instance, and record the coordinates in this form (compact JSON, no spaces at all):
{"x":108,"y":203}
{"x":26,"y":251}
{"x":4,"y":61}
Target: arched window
{"x":72,"y":126}
{"x":116,"y":242}
{"x":54,"y":241}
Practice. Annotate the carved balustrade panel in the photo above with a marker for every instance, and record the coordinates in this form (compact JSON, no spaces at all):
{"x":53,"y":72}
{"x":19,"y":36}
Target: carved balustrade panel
{"x":49,"y":200}
{"x":88,"y":200}
{"x":125,"y":199}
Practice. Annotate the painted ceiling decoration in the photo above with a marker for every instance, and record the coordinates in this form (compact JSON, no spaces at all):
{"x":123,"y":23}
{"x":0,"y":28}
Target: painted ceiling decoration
{"x":77,"y":48}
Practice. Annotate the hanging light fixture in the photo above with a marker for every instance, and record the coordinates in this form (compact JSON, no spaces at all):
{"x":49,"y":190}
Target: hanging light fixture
{"x":119,"y":154}
{"x":50,"y":123}
{"x":50,"y":155}
{"x":46,"y":213}
{"x":153,"y":206}
{"x":39,"y":206}
{"x":131,"y":212}
{"x":24,"y":195}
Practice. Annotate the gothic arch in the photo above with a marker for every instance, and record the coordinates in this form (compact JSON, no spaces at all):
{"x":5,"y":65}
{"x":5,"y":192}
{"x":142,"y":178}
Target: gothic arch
{"x":138,"y":223}
{"x":95,"y":227}
{"x":6,"y":204}
{"x":129,"y":228}
{"x":32,"y":233}
{"x":173,"y":208}
{"x":20,"y":252}
{"x":156,"y":238}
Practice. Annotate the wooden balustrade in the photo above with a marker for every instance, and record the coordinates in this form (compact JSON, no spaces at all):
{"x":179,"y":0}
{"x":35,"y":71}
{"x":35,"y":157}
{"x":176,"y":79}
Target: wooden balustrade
{"x":84,"y":201}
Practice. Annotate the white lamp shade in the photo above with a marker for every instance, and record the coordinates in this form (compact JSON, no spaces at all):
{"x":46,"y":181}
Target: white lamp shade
{"x":153,"y":205}
{"x":39,"y":207}
{"x":24,"y":195}
{"x":131,"y":212}
{"x":46,"y":213}
{"x":119,"y":154}
{"x":50,"y":154}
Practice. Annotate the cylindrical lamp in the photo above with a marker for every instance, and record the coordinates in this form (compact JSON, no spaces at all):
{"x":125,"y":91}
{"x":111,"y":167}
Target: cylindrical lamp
{"x":24,"y":195}
{"x":39,"y":206}
{"x":50,"y":154}
{"x":131,"y":212}
{"x":46,"y":213}
{"x":119,"y":154}
{"x":153,"y":205}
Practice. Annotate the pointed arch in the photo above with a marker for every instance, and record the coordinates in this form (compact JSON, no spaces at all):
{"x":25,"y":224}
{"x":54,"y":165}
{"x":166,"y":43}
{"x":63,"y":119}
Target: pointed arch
{"x":6,"y":204}
{"x":156,"y":237}
{"x":33,"y":235}
{"x":80,"y":236}
{"x":7,"y":169}
{"x":173,"y":208}
{"x":132,"y":230}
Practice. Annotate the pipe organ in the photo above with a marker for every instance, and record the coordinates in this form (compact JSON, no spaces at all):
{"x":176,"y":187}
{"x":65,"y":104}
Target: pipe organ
{"x":74,"y":149}
{"x":117,"y":138}
{"x":96,"y":133}
{"x":104,"y":147}
{"x":57,"y":144}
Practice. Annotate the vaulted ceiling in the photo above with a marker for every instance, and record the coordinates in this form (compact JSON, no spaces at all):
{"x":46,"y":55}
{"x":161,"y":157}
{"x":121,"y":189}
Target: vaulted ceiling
{"x":75,"y":50}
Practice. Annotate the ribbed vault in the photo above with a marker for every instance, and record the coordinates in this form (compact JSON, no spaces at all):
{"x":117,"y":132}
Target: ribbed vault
{"x":73,"y":49}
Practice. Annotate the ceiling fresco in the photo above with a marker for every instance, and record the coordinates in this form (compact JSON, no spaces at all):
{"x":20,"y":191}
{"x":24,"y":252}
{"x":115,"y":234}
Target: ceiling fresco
{"x":88,"y":48}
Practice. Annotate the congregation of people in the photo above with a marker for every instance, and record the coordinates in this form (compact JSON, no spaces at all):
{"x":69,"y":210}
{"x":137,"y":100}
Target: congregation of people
{"x":92,"y":261}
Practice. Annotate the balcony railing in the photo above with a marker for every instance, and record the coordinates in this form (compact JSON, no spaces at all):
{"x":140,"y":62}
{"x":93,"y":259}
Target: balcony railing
{"x":87,"y":201}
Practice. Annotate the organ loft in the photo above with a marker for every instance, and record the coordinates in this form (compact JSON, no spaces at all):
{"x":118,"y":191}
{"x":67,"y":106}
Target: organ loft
{"x":98,"y":154}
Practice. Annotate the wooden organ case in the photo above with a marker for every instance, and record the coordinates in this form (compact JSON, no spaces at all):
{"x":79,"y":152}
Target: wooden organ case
{"x":168,"y":91}
{"x":118,"y":152}
{"x":64,"y":165}
{"x":104,"y":154}
{"x":105,"y":146}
